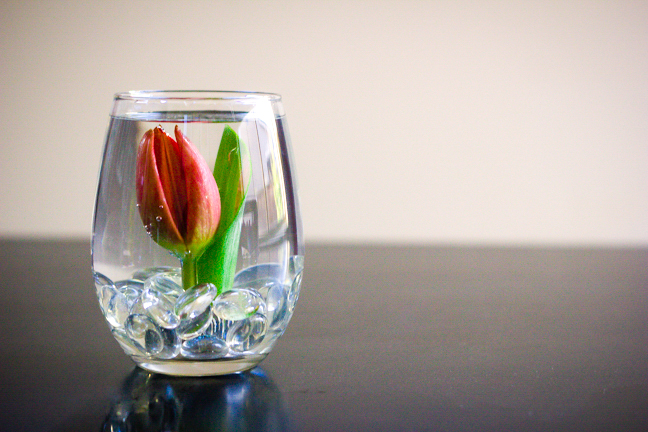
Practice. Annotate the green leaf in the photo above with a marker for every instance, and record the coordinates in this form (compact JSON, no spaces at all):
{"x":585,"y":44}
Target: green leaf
{"x":228,"y":174}
{"x":218,"y":263}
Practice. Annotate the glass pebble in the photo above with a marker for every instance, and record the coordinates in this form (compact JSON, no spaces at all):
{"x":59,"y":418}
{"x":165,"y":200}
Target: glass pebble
{"x":100,"y":281}
{"x":145,"y":273}
{"x":193,"y":308}
{"x":265,"y":346}
{"x":168,"y":283}
{"x":131,"y":294}
{"x":153,"y":342}
{"x":160,"y":308}
{"x":106,"y":293}
{"x":195,"y":301}
{"x":219,"y":327}
{"x":260,"y":276}
{"x":117,"y":310}
{"x":293,"y":294}
{"x":131,"y":289}
{"x":295,"y":270}
{"x":246,"y":334}
{"x":193,"y":327}
{"x":171,"y":344}
{"x":238,"y":303}
{"x":137,"y":307}
{"x":204,"y":348}
{"x":129,"y":283}
{"x":124,"y":341}
{"x":277,"y":305}
{"x":145,"y":334}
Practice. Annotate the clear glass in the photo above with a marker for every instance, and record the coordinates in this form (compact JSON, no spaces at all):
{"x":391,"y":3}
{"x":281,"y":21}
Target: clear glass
{"x":197,"y":246}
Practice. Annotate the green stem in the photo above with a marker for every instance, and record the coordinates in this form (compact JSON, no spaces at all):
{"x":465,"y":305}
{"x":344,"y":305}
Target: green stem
{"x":218,"y":264}
{"x":188,"y":271}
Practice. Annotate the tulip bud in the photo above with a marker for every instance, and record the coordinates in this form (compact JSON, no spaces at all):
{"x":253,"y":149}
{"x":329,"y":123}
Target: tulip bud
{"x":177,"y":195}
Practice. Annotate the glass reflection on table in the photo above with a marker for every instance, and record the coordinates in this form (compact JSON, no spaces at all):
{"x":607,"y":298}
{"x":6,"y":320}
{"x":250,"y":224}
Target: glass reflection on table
{"x":149,"y":402}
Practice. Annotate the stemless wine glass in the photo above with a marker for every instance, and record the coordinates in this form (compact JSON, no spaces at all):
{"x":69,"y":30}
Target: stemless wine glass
{"x":197,"y":248}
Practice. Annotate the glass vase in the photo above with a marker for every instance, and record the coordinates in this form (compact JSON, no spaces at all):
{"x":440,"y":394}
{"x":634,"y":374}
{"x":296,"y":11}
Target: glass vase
{"x":197,"y":247}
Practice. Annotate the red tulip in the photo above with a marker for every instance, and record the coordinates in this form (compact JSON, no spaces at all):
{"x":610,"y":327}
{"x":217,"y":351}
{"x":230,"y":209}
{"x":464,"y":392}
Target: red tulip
{"x":177,"y":195}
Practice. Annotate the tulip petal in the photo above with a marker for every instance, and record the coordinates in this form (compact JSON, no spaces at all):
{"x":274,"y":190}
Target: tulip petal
{"x":172,"y":177}
{"x":203,"y":206}
{"x":153,"y":206}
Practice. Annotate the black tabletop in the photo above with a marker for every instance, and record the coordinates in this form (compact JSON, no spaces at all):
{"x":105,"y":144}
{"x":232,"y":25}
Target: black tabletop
{"x":383,"y":338}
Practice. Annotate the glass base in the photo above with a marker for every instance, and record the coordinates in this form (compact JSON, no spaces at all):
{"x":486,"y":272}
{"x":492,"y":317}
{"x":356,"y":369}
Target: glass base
{"x":200,"y":368}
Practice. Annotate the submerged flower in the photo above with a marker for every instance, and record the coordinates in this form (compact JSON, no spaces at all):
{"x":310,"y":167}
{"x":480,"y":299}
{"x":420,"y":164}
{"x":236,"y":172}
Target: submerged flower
{"x":177,"y":195}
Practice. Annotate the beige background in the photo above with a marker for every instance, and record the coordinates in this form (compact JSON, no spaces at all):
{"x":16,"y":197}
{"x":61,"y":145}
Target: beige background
{"x":472,"y":122}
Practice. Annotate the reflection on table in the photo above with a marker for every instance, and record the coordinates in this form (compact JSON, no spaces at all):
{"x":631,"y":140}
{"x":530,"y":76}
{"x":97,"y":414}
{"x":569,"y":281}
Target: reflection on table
{"x":244,"y":402}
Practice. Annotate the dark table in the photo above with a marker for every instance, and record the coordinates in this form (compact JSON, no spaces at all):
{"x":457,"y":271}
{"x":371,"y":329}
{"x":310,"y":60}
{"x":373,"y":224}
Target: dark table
{"x":383,"y":338}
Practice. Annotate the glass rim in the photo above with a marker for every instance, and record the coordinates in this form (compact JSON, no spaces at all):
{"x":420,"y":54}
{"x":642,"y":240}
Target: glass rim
{"x":187,"y":95}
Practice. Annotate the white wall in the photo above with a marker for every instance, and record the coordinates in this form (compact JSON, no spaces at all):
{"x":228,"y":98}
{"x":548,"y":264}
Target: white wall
{"x":423,"y":121}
